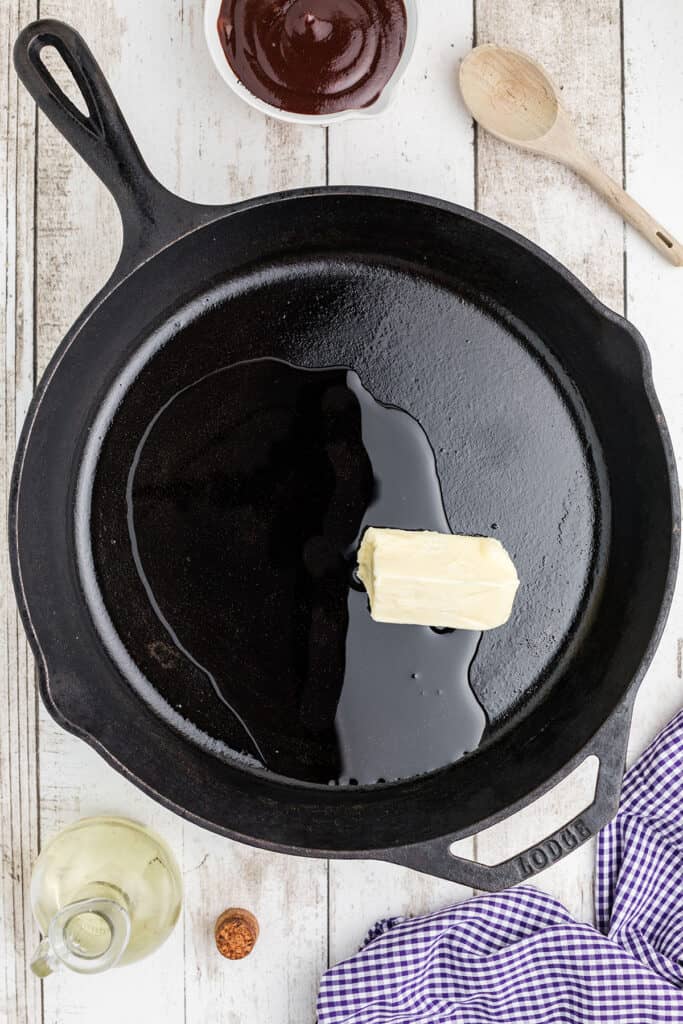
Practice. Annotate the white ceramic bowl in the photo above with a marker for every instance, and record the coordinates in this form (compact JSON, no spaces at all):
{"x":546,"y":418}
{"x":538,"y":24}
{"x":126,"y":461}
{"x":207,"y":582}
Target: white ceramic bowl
{"x":211,"y":12}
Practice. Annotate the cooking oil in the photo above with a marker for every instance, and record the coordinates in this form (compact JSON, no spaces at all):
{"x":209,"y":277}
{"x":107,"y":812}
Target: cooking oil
{"x":106,"y":892}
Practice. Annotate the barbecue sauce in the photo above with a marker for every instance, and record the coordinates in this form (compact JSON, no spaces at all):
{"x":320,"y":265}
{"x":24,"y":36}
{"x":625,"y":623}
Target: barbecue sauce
{"x":314,"y":56}
{"x":248,"y":496}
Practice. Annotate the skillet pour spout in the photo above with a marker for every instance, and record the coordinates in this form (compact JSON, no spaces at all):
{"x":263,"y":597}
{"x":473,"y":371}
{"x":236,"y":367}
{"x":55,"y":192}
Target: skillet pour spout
{"x":539,"y":406}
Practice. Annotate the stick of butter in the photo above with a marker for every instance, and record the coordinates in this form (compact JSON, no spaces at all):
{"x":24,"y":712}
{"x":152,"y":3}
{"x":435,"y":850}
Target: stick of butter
{"x":437,"y":579}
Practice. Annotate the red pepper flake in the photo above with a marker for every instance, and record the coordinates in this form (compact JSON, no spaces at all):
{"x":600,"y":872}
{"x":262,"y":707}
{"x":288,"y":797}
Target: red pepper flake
{"x":236,"y":933}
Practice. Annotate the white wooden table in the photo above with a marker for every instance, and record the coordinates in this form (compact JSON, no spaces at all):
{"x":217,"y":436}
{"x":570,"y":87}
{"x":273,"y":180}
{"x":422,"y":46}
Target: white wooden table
{"x":618,"y":62}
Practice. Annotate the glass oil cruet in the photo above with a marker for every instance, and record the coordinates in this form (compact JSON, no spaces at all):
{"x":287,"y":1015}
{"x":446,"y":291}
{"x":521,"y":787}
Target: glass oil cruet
{"x":105,"y":892}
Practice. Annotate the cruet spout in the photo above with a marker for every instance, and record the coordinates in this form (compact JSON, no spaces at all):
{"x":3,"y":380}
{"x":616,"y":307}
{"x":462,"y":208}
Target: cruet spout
{"x":87,"y":936}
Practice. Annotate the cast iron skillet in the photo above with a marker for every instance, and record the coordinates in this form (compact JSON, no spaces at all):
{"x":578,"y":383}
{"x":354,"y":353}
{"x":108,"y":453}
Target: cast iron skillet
{"x":538,"y":402}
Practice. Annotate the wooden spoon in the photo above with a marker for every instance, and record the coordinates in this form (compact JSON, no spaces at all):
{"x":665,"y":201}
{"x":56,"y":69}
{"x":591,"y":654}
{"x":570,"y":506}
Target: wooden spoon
{"x":512,"y":96}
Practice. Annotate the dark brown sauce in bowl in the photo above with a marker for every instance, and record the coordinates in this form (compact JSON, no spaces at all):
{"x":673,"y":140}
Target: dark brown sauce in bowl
{"x":314,"y":57}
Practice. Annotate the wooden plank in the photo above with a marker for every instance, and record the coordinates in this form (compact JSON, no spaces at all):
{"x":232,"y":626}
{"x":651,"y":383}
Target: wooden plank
{"x":653,"y":103}
{"x":207,"y":145}
{"x":423,"y":144}
{"x":75,"y":783}
{"x":20,"y":997}
{"x":579,"y":43}
{"x":279,"y":980}
{"x":78,"y":237}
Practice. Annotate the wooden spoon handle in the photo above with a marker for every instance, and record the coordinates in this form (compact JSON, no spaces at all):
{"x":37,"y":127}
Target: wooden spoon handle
{"x":628,"y":208}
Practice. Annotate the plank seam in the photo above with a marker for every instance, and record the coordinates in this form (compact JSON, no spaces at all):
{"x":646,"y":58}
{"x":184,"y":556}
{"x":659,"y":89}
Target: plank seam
{"x":475,"y":126}
{"x":624,"y":234}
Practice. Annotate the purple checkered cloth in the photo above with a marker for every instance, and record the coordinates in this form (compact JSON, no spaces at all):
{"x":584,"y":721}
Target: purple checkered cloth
{"x":519,"y":957}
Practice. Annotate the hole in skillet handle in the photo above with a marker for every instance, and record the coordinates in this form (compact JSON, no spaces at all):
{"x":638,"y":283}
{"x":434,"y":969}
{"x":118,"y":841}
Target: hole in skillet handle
{"x":101,"y":137}
{"x":510,"y":838}
{"x":152,"y":216}
{"x":63,"y":79}
{"x":609,"y":747}
{"x":93,"y":120}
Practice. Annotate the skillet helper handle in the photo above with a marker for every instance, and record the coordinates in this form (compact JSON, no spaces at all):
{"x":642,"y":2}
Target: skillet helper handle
{"x":435,"y":858}
{"x":151,"y":215}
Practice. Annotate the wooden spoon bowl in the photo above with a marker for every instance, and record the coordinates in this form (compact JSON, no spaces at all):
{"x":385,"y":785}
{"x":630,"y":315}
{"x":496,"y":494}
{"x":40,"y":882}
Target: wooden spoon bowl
{"x":509,"y":94}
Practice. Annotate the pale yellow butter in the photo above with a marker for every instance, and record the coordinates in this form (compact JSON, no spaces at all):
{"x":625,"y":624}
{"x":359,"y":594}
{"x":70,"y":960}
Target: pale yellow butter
{"x":437,"y":579}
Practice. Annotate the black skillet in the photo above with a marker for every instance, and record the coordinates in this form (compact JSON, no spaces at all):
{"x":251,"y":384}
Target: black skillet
{"x":537,"y":399}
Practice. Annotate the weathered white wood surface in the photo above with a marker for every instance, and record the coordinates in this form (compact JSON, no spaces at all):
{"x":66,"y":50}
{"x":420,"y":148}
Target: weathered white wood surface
{"x":654,"y":162}
{"x":208,"y":146}
{"x":205,"y":144}
{"x":20,"y":997}
{"x":579,"y":43}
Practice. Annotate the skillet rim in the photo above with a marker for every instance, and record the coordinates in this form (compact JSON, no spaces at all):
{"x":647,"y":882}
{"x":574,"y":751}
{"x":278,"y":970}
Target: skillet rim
{"x":205,"y":217}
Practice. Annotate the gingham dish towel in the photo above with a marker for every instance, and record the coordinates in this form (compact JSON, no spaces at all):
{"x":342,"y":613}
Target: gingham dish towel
{"x":519,"y":957}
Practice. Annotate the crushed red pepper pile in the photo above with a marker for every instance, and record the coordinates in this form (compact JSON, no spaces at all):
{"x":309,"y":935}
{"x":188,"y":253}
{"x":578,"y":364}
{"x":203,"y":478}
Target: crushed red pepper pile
{"x":236,"y":933}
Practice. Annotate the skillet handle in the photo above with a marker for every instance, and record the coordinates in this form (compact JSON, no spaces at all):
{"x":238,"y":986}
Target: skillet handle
{"x":434,"y":858}
{"x":151,"y":215}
